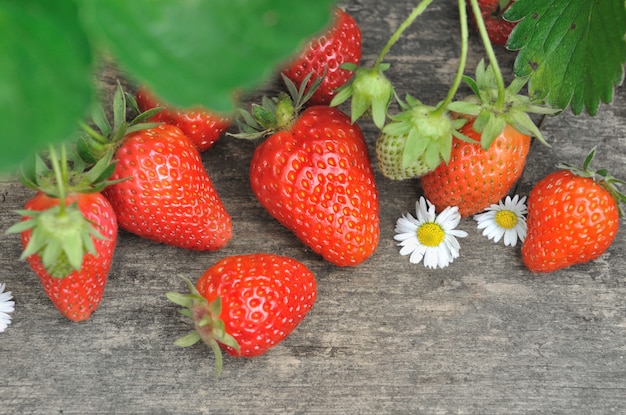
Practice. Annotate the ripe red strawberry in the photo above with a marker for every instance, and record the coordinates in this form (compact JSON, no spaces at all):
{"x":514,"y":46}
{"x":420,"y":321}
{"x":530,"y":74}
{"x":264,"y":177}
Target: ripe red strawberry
{"x":573,"y":217}
{"x":68,"y":232}
{"x":168,"y":197}
{"x":201,"y":126}
{"x":316,"y":179}
{"x":475,"y":178}
{"x":78,"y":294}
{"x":492,"y":11}
{"x":325,"y":54}
{"x":313,"y":174}
{"x":247,"y":304}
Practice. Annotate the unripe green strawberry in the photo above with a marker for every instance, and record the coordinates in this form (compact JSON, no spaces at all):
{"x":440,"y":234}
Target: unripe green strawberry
{"x":389,"y":151}
{"x":416,"y":141}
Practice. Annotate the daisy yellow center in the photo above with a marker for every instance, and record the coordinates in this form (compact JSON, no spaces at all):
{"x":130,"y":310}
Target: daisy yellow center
{"x":506,"y":219}
{"x":430,"y":234}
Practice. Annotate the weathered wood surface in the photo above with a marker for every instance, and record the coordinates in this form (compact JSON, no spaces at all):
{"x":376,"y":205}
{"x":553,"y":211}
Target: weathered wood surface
{"x":481,"y":336}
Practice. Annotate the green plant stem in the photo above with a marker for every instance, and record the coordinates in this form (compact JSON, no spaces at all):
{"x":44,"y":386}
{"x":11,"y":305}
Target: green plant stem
{"x":93,"y":133}
{"x":64,"y":172}
{"x":462,"y":60}
{"x":490,"y":53}
{"x":59,"y":175}
{"x":419,"y":9}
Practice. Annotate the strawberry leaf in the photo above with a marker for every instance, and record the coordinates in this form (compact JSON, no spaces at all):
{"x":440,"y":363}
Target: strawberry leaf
{"x":45,"y":76}
{"x":191,"y":52}
{"x":199,"y":52}
{"x":574,"y":51}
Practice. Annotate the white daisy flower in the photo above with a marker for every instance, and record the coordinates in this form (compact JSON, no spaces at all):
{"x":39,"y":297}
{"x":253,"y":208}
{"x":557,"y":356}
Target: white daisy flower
{"x":6,"y":306}
{"x":430,"y":236}
{"x":505,"y":219}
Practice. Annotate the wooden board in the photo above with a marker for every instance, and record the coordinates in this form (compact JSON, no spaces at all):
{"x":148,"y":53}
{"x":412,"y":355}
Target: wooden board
{"x":481,"y":336}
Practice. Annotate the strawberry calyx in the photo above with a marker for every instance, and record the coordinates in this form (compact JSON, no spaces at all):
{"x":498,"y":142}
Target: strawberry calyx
{"x":277,"y":113}
{"x":94,"y":144}
{"x":427,"y":131}
{"x":76,"y":178}
{"x":61,"y":234}
{"x":369,"y":90}
{"x":422,"y":135}
{"x":208,"y":326}
{"x":600,"y":176}
{"x":493,"y":109}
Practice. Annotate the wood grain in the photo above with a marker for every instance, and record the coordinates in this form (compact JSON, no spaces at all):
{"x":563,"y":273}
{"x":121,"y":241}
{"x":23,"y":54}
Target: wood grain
{"x":482,"y":336}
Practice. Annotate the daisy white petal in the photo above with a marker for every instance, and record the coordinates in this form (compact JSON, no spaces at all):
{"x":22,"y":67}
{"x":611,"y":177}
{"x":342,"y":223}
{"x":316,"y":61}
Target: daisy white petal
{"x":431,"y":258}
{"x":429,"y":237}
{"x":504,"y":220}
{"x":406,"y":224}
{"x":6,"y":306}
{"x":417,"y":255}
{"x":449,"y":218}
{"x":425,"y":211}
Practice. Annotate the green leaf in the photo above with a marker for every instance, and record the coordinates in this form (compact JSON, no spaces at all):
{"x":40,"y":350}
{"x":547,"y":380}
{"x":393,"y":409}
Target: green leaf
{"x":73,"y":247}
{"x":181,"y":299}
{"x":188,"y":340}
{"x":464,"y":107}
{"x":21,"y":226}
{"x":414,"y":148}
{"x":432,"y":157}
{"x":573,"y":50}
{"x":200,"y":52}
{"x":493,"y":128}
{"x":51,"y":255}
{"x":46,"y":79}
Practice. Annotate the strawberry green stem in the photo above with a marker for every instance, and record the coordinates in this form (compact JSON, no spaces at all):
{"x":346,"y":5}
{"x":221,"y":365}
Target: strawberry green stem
{"x":94,"y":134}
{"x":59,"y":175}
{"x":396,"y":35}
{"x":490,"y":53}
{"x":64,"y":171}
{"x":462,"y":60}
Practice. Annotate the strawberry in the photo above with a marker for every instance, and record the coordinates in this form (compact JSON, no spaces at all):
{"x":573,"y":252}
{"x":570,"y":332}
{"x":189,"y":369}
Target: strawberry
{"x":475,"y":178}
{"x":201,"y":126}
{"x":78,"y":294}
{"x":492,"y":12}
{"x":489,"y":154}
{"x":416,"y":141}
{"x":168,"y":197}
{"x":313,"y":174}
{"x":324,"y":56}
{"x":573,"y":217}
{"x":247,"y":304}
{"x":69,"y":232}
